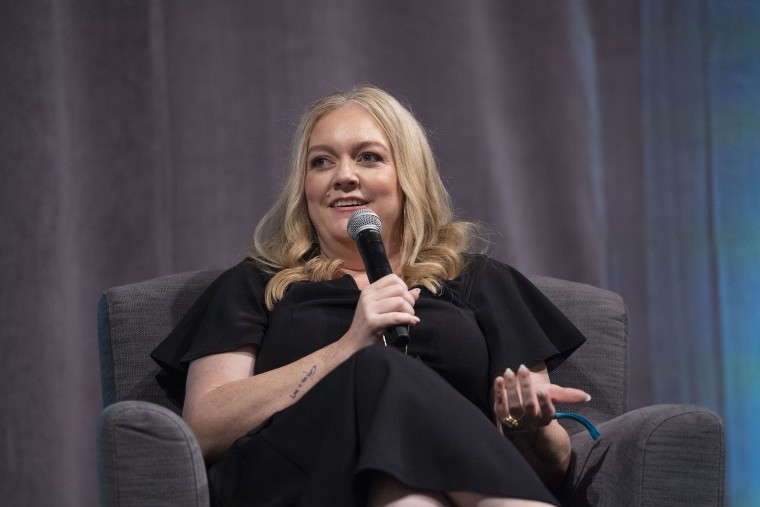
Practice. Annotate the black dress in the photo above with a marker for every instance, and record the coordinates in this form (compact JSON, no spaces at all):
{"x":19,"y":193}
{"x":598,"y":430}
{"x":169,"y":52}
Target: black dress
{"x":423,"y":417}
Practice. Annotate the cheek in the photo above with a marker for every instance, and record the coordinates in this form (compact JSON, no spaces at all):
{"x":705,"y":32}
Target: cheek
{"x":313,"y":189}
{"x":386,"y":185}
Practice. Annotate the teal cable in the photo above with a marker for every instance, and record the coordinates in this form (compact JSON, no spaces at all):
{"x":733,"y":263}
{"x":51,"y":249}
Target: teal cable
{"x":585,"y":422}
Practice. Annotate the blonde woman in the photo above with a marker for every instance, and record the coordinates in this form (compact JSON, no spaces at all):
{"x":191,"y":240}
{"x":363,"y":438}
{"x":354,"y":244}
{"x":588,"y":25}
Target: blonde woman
{"x":282,"y":366}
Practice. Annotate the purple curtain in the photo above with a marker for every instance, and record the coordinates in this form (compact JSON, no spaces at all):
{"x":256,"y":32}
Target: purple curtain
{"x":141,"y":138}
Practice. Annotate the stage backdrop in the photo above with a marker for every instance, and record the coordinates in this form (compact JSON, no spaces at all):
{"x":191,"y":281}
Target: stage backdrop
{"x":613,"y":143}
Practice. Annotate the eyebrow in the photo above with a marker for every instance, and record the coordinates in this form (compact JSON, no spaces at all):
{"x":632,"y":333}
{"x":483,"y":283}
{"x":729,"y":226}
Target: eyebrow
{"x":357,"y":147}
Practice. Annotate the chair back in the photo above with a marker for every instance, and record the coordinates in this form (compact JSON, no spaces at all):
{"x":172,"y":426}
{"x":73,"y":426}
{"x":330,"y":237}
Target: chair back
{"x":134,"y":318}
{"x":599,"y":366}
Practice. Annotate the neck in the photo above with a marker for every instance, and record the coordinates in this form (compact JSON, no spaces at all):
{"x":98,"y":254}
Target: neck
{"x":352,"y":260}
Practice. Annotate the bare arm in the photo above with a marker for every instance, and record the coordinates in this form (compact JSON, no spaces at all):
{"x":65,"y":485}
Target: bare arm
{"x":224,"y":400}
{"x":529,"y":396}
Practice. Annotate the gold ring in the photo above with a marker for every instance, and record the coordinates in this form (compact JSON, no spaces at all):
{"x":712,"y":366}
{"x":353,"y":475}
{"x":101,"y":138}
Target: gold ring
{"x":511,"y":422}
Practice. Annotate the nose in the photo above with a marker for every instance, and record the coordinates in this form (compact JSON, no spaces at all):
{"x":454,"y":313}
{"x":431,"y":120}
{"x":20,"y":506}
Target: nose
{"x":346,"y":177}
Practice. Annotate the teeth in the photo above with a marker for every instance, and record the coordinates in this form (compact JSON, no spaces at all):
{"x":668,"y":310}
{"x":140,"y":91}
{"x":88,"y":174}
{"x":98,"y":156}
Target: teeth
{"x":348,"y":202}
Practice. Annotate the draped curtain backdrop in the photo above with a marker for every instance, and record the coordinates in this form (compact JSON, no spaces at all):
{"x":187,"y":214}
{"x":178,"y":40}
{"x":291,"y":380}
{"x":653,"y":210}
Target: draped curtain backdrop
{"x":612,"y":143}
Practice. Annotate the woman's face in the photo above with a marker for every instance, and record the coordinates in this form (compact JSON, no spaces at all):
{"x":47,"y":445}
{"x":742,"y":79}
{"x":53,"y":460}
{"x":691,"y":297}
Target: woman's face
{"x":349,"y":166}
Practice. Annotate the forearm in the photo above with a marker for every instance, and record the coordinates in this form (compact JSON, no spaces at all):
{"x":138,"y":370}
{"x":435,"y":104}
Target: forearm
{"x":547,"y":449}
{"x":224,"y":400}
{"x":222,"y":414}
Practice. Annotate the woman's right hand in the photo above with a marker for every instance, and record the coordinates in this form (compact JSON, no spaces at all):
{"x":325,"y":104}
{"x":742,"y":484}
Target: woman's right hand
{"x":382,"y":304}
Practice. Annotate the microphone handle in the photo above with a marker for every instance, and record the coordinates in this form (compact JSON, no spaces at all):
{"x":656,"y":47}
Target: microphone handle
{"x":375,"y":259}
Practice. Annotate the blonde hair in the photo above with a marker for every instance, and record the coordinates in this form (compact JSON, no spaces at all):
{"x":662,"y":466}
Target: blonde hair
{"x":285,"y":242}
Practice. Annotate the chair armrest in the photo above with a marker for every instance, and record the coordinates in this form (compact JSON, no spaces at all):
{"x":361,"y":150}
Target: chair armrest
{"x":147,"y":455}
{"x":656,"y":455}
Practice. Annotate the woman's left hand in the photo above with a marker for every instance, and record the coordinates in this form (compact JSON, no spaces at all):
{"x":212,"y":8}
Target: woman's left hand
{"x":525,"y":400}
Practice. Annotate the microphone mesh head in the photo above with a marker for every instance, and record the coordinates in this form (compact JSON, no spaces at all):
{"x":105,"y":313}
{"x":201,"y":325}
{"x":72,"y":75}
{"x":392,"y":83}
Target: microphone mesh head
{"x":363,"y":219}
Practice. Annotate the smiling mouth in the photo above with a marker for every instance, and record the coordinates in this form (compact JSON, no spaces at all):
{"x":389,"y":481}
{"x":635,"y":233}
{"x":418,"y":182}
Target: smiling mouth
{"x":348,"y":203}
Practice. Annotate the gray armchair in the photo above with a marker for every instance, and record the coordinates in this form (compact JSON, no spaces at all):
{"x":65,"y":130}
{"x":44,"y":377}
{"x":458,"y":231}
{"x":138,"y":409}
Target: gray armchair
{"x":653,"y":456}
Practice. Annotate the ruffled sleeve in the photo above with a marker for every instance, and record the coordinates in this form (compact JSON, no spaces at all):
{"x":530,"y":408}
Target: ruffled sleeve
{"x":521,"y":325}
{"x":228,"y":315}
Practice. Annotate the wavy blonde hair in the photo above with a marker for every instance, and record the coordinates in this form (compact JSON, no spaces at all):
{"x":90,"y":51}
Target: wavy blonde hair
{"x":285,"y":242}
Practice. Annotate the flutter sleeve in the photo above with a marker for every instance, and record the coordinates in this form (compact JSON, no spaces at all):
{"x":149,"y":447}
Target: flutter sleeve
{"x":520,"y":324}
{"x":229,"y":314}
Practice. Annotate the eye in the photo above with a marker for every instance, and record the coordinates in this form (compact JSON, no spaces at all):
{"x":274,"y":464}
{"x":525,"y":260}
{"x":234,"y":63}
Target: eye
{"x":369,"y":157}
{"x":318,"y":162}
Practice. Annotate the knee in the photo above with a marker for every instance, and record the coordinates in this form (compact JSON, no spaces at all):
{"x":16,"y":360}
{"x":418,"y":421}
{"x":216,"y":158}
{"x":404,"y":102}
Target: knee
{"x":369,"y":358}
{"x":387,"y":491}
{"x":375,"y":359}
{"x":378,"y":366}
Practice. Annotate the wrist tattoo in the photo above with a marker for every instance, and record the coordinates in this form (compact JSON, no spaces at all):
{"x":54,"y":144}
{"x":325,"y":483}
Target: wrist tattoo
{"x":304,"y":379}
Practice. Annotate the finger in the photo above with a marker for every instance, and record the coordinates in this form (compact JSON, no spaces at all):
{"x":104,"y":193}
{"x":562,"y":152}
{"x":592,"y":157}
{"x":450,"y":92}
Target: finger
{"x":528,"y":393}
{"x":500,"y":409}
{"x":377,"y":316}
{"x":411,"y":296}
{"x":500,"y":394}
{"x":392,"y":285}
{"x":546,"y":407}
{"x":566,"y":394}
{"x":377,"y":291}
{"x":395,"y":304}
{"x":399,"y":319}
{"x":389,"y":280}
{"x":514,"y":406}
{"x":384,"y":320}
{"x":395,"y":290}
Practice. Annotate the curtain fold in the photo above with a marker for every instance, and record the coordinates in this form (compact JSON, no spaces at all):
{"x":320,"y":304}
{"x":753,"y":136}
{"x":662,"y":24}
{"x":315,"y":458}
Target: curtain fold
{"x":605,"y":142}
{"x":701,"y":78}
{"x":734,"y":116}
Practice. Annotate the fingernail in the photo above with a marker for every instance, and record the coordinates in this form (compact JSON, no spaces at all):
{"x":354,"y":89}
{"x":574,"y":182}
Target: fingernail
{"x":509,"y":371}
{"x":588,"y":397}
{"x":522,"y":368}
{"x":416,"y":319}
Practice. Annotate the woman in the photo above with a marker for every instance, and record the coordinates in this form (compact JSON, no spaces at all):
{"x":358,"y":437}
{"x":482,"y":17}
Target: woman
{"x":289,"y":390}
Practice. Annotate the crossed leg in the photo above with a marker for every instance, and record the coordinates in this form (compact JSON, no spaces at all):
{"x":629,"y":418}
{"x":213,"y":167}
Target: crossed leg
{"x":386,"y":491}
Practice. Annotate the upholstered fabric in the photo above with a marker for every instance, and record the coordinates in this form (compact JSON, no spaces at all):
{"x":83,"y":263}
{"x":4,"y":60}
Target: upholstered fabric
{"x":600,"y":366}
{"x":132,"y":319}
{"x":659,"y":455}
{"x":147,"y":455}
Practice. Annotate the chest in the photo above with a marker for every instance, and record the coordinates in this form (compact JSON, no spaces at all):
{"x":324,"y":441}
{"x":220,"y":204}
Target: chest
{"x":447,"y":339}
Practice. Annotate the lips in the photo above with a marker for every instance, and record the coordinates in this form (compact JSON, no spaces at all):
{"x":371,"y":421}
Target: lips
{"x":347,"y":203}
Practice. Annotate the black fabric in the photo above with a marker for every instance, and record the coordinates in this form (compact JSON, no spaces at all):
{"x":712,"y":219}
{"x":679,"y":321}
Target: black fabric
{"x":380,"y":410}
{"x":219,"y":321}
{"x":488,"y":318}
{"x":491,"y":312}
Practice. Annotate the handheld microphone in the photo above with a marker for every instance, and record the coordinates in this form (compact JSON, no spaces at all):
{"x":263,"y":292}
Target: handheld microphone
{"x":364,"y":227}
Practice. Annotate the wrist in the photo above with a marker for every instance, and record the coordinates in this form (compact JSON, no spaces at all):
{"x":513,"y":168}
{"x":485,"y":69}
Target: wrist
{"x":523,"y":438}
{"x":512,"y":430}
{"x":344,"y":348}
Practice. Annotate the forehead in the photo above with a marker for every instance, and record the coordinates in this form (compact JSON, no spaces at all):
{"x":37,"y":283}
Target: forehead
{"x":347,"y":124}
